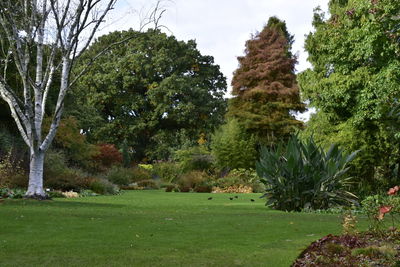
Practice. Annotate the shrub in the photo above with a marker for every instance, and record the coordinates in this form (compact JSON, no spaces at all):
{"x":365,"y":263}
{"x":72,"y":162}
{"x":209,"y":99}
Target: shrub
{"x":11,"y":193}
{"x":203,"y":188}
{"x":378,"y":206}
{"x":58,"y":176}
{"x":140,"y":174}
{"x":232,"y":148}
{"x":148,"y":184}
{"x":120,"y":175}
{"x":69,"y":179}
{"x":192,"y":179}
{"x":233,"y":189}
{"x":240,"y":181}
{"x":87,"y":193}
{"x":171,"y":188}
{"x":197,"y":158}
{"x":301,"y":175}
{"x":12,"y":175}
{"x":167,"y":171}
{"x":103,"y":187}
{"x":108,"y":156}
{"x":74,"y":144}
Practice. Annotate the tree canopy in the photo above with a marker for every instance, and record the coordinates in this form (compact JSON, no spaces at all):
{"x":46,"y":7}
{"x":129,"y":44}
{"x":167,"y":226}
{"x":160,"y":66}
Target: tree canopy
{"x":152,"y":90}
{"x":264,"y":86}
{"x":355,"y":80}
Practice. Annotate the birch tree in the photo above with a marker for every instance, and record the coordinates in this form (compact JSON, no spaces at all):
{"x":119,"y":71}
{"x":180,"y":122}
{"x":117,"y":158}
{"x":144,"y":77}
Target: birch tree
{"x":43,"y":38}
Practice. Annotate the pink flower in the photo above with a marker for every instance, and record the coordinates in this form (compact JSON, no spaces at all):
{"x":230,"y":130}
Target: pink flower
{"x":393,"y":190}
{"x":383,"y":210}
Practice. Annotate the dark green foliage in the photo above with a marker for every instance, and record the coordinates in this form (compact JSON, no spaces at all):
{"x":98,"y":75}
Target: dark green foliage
{"x":126,"y":157}
{"x":302,"y":175}
{"x":233,"y":148}
{"x":148,"y":91}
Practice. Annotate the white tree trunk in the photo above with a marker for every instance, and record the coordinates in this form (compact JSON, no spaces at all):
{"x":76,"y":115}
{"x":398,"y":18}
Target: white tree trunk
{"x":60,"y":26}
{"x":35,"y":187}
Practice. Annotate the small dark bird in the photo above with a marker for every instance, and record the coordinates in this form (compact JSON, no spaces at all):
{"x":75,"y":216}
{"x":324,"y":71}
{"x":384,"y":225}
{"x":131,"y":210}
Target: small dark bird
{"x":231,"y":198}
{"x":252,"y":200}
{"x":209,"y":198}
{"x":236,"y":197}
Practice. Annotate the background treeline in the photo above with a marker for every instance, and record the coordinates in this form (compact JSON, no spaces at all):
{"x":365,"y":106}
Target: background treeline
{"x":150,"y":112}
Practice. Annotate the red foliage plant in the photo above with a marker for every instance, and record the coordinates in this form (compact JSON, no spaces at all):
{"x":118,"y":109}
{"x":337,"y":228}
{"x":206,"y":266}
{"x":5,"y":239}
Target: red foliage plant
{"x":108,"y":155}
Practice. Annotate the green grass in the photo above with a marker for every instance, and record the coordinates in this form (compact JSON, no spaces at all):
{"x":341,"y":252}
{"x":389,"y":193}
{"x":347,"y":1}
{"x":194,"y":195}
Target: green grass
{"x":154,"y":228}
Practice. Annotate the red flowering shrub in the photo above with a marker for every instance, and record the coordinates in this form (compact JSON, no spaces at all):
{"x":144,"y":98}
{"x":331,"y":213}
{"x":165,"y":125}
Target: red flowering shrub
{"x":376,"y":207}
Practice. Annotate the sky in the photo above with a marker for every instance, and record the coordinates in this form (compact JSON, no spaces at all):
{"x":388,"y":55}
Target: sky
{"x":221,"y":27}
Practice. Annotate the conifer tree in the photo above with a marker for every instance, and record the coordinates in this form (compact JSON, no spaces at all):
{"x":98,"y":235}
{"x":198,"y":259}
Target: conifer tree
{"x":264,"y":86}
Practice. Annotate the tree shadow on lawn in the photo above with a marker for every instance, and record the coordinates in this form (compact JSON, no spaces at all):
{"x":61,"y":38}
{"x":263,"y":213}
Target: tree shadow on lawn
{"x":59,"y":204}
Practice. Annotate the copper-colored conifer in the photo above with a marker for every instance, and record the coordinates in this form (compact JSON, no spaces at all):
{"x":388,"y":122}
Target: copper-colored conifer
{"x":264,"y":86}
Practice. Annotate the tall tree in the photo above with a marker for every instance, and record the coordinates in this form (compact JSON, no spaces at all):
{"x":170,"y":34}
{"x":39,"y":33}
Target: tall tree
{"x":264,"y":86}
{"x":150,"y":90}
{"x":31,"y":27}
{"x":354,"y":82}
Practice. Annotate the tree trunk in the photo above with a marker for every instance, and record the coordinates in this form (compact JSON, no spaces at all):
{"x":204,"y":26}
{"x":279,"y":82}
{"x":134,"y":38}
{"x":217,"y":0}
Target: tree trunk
{"x":35,"y":188}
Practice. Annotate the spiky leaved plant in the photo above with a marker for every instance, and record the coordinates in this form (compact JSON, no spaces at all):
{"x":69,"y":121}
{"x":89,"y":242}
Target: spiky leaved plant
{"x":302,"y":175}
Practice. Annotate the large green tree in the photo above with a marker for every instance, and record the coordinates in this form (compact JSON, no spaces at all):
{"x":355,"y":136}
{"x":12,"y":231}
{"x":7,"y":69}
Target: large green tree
{"x":152,"y":91}
{"x":354,"y":82}
{"x":264,"y":86}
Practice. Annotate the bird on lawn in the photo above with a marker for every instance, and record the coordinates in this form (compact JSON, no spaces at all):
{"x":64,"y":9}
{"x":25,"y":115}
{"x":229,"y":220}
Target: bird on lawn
{"x":231,"y":198}
{"x":236,"y":197}
{"x":252,"y":200}
{"x":209,"y":198}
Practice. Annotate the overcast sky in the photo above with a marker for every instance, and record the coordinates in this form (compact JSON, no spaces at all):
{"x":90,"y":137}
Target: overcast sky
{"x":221,"y":27}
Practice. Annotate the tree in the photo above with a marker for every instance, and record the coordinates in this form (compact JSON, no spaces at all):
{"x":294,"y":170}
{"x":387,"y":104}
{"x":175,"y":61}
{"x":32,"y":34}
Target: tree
{"x":151,"y":91}
{"x":264,"y":86}
{"x":44,"y":38}
{"x":355,"y":81}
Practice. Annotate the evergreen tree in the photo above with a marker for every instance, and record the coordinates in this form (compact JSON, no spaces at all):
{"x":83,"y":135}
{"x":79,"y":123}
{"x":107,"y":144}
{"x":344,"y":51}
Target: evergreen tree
{"x":264,"y":86}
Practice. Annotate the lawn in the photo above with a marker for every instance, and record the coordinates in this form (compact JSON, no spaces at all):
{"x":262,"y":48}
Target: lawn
{"x":154,"y":228}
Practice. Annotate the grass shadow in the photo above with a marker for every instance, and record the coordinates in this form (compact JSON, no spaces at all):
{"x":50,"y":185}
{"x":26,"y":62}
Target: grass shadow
{"x":60,"y":204}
